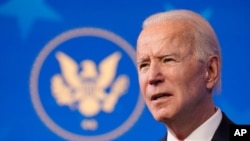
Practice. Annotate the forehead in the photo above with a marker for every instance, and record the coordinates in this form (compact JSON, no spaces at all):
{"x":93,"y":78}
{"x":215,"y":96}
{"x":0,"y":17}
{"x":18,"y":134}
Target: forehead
{"x":173,"y":35}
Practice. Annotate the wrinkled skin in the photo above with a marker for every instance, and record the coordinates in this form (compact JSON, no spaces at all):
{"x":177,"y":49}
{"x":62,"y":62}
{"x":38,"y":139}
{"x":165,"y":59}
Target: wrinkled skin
{"x":175,"y":84}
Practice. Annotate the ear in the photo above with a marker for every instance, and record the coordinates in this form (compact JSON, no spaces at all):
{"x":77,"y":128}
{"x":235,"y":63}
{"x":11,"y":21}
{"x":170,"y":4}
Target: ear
{"x":213,"y":71}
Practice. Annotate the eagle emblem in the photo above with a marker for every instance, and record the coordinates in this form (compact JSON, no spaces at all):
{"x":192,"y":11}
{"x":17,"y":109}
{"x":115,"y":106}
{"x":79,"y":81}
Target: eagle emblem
{"x":86,"y":87}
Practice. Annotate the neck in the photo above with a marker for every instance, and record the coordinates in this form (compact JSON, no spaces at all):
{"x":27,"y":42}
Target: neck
{"x":182,"y":127}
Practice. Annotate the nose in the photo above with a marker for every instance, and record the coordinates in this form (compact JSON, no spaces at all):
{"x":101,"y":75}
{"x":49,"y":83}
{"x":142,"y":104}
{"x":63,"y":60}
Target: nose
{"x":155,"y":76}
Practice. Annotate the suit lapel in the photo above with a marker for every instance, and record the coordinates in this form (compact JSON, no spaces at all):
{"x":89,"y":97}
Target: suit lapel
{"x":222,"y":133}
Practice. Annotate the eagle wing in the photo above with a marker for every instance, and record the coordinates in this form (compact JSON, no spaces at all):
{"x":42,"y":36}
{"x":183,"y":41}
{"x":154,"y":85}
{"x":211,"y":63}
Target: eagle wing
{"x":108,"y":69}
{"x":69,"y":69}
{"x":60,"y":91}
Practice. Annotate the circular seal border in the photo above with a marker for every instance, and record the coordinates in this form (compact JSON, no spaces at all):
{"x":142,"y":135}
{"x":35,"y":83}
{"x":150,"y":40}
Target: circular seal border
{"x":87,"y":31}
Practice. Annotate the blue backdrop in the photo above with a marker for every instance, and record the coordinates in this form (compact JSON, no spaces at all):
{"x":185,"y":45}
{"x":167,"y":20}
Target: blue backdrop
{"x":42,"y":40}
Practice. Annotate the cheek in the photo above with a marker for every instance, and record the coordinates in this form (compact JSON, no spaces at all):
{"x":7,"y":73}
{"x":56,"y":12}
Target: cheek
{"x":182,"y":75}
{"x":142,"y":83}
{"x":179,"y":81}
{"x":174,"y":76}
{"x":190,"y":84}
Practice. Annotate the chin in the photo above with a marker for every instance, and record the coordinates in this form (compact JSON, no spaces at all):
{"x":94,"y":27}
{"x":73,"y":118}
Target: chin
{"x":163,"y":119}
{"x":159,"y":119}
{"x":162,"y":116}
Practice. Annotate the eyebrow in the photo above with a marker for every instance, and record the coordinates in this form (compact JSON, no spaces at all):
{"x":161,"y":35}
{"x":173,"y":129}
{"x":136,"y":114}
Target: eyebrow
{"x":167,"y":55}
{"x":144,"y":59}
{"x":141,"y":60}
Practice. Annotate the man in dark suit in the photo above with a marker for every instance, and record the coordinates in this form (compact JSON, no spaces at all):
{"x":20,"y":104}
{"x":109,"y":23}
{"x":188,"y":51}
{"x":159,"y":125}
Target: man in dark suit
{"x":179,"y":68}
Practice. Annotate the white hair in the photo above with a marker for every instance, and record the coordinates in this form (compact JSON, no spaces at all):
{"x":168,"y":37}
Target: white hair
{"x":206,"y":42}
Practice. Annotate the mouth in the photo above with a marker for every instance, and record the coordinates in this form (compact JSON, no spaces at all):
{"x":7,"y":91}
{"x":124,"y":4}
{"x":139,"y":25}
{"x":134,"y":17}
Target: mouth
{"x":160,"y":95}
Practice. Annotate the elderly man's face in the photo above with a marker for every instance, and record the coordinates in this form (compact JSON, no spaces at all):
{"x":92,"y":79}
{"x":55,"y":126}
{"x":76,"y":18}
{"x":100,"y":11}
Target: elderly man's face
{"x":171,"y":78}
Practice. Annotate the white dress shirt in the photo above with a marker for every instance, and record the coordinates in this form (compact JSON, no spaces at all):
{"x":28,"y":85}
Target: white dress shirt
{"x":205,"y":131}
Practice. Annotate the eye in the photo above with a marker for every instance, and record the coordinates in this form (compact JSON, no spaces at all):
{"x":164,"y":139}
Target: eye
{"x":143,"y":65}
{"x":168,"y":59}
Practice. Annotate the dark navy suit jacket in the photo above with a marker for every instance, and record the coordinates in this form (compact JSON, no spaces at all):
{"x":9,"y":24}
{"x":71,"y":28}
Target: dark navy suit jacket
{"x":222,"y":133}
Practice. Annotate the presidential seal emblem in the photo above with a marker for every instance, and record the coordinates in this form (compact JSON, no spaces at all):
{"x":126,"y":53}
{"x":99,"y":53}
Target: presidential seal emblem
{"x":83,"y":85}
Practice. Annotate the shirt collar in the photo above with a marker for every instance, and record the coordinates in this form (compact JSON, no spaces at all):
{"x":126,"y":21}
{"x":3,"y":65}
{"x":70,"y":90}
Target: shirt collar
{"x":205,"y":131}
